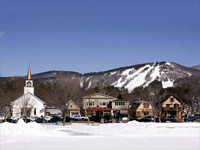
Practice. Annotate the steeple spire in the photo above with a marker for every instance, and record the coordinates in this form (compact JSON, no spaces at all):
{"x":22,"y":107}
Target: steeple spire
{"x":29,"y":73}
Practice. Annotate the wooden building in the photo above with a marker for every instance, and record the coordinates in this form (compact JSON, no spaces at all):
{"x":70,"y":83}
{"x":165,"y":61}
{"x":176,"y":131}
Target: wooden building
{"x":141,"y":109}
{"x":171,"y":106}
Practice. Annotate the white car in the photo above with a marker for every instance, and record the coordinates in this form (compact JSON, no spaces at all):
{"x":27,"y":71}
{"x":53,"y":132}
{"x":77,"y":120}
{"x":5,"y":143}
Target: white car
{"x":80,"y":117}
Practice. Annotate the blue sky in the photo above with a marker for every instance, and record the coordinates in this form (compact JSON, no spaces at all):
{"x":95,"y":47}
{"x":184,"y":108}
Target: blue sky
{"x":96,"y":35}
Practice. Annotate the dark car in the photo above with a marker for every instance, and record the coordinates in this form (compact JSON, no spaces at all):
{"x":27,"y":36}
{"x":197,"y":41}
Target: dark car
{"x":134,"y":118}
{"x":171,"y":119}
{"x":147,"y":119}
{"x":27,"y":120}
{"x":197,"y":117}
{"x":10,"y":120}
{"x":40,"y":120}
{"x":107,"y":119}
{"x":68,"y":119}
{"x":55,"y":119}
{"x":161,"y":119}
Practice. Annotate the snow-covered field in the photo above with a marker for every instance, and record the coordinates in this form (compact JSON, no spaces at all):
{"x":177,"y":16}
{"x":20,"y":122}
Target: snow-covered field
{"x":116,"y":136}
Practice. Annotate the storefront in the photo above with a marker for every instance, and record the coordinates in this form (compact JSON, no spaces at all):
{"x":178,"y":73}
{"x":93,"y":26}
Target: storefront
{"x":99,"y":112}
{"x":119,"y":114}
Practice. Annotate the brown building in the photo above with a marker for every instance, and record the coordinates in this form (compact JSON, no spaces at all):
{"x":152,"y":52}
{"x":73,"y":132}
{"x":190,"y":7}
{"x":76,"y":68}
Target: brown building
{"x":171,"y":107}
{"x":141,"y":109}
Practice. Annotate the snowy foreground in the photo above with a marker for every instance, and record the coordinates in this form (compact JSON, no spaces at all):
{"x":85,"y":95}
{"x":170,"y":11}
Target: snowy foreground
{"x":115,"y":136}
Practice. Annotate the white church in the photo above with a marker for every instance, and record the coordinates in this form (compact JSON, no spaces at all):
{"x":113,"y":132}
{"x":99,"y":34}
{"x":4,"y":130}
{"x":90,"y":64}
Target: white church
{"x":28,"y":104}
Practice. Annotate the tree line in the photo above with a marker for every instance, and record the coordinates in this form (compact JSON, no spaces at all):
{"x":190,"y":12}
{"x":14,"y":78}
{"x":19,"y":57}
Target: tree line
{"x":58,"y":92}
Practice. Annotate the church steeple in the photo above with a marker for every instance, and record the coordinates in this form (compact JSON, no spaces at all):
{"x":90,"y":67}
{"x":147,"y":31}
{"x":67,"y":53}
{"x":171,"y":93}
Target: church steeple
{"x":29,"y":83}
{"x":29,"y":73}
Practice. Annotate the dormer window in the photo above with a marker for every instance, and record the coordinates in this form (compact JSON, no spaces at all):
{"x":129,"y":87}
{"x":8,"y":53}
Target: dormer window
{"x":172,"y":100}
{"x":146,"y":105}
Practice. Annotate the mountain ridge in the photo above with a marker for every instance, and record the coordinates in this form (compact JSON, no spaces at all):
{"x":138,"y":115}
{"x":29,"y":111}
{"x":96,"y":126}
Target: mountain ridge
{"x":168,"y":73}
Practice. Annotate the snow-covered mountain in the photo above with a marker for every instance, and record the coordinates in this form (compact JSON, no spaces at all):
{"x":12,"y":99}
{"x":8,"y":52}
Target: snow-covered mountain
{"x":141,"y":75}
{"x":170,"y":74}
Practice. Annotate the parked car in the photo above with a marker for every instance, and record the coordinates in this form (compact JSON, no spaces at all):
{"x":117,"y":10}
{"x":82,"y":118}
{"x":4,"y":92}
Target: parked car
{"x":147,"y":119}
{"x":68,"y":119}
{"x":107,"y":119}
{"x":161,"y":119}
{"x":80,"y":117}
{"x":134,"y":118}
{"x":95,"y":118}
{"x":171,"y":119}
{"x":47,"y":118}
{"x":190,"y":118}
{"x":28,"y":120}
{"x":197,"y":117}
{"x":10,"y":120}
{"x":40,"y":120}
{"x":54,"y":119}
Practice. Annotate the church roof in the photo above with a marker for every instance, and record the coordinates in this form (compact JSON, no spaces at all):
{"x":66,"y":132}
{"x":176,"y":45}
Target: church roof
{"x":28,"y":94}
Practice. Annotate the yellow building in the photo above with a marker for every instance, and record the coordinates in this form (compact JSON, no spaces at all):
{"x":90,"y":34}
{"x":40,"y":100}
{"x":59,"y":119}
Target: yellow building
{"x":141,"y":109}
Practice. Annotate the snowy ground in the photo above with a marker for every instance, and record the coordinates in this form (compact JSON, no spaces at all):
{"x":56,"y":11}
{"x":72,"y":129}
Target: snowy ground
{"x":115,"y":136}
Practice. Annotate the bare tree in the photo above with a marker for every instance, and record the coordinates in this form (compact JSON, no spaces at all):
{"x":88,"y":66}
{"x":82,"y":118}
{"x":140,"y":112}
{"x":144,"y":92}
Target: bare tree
{"x":62,"y":91}
{"x":27,"y":106}
{"x":9,"y":91}
{"x":6,"y":97}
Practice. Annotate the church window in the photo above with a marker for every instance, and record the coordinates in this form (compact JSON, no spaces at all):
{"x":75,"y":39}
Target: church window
{"x":34,"y":111}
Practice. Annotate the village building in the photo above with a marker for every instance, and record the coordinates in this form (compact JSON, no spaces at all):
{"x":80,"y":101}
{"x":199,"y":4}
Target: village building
{"x":28,"y":105}
{"x":98,"y":105}
{"x":52,"y":111}
{"x":72,"y":110}
{"x":141,"y":109}
{"x":171,"y":107}
{"x":120,"y":108}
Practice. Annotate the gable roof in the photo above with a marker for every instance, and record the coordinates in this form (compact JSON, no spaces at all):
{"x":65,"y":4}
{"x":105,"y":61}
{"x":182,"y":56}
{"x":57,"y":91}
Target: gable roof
{"x":167,"y":96}
{"x":100,"y":94}
{"x":71,"y":101}
{"x":135,"y":105}
{"x":28,"y":94}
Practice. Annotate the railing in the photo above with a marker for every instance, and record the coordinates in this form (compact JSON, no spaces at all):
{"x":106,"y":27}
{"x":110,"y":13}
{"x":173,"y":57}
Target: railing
{"x":172,"y":109}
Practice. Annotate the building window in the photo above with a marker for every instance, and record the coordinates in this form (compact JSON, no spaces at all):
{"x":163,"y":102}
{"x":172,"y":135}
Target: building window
{"x":146,"y":105}
{"x":103,"y":103}
{"x":120,"y":103}
{"x":21,"y":111}
{"x":171,"y":100}
{"x":167,"y":105}
{"x":90,"y":103}
{"x":34,"y":111}
{"x":176,"y":105}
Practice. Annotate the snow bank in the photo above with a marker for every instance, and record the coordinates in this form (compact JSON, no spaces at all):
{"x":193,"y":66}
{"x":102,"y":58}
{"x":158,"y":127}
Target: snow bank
{"x":130,"y":129}
{"x":138,"y":129}
{"x":21,"y":128}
